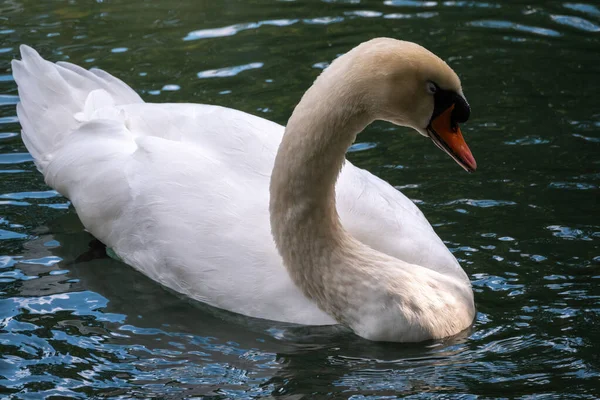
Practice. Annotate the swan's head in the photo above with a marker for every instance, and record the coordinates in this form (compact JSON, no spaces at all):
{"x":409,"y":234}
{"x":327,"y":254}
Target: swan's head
{"x":404,"y":83}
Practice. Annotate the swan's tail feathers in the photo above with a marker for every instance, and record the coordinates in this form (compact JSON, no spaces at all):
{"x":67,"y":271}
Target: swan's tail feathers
{"x":56,"y":98}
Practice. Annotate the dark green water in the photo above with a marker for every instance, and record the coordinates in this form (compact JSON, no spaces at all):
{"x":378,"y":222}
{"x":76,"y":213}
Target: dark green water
{"x":525,"y":226}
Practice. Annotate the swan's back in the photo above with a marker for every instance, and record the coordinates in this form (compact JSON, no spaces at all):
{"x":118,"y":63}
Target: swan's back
{"x":180,"y":191}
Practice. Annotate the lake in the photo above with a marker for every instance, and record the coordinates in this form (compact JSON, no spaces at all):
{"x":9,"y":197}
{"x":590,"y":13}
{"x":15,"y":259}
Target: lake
{"x":525,"y":226}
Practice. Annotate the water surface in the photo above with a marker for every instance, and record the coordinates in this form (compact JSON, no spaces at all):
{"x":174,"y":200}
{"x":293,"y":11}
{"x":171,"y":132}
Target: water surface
{"x":525,"y":226}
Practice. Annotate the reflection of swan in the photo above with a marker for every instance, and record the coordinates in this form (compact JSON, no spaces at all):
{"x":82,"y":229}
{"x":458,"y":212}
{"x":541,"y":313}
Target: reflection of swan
{"x":180,"y":191}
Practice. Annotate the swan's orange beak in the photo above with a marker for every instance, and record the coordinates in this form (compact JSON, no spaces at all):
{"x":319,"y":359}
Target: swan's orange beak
{"x":447,"y":136}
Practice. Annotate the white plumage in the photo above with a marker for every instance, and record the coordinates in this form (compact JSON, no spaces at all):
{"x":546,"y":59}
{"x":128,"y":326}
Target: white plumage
{"x":181,"y":191}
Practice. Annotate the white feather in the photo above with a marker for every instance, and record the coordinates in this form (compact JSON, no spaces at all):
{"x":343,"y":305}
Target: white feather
{"x":180,"y":191}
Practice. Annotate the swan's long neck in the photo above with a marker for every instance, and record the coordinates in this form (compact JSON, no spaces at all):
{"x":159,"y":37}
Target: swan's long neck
{"x":379,"y":297}
{"x":304,"y":220}
{"x":307,"y":165}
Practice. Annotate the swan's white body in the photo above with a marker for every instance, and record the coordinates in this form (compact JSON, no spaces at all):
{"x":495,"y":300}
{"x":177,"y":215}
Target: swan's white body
{"x":181,"y":191}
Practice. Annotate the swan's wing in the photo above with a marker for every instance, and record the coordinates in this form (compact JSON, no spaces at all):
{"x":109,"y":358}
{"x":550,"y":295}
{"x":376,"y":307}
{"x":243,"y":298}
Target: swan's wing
{"x":382,"y":217}
{"x":233,"y":139}
{"x":184,"y":204}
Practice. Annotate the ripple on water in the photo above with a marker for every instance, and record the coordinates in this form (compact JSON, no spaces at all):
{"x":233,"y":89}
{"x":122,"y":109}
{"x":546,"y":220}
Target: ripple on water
{"x":7,"y":261}
{"x":9,"y":120}
{"x":235,"y":29}
{"x":584,"y":8}
{"x":170,"y":88}
{"x":576,"y":22}
{"x":482,"y":203}
{"x":228,"y":71}
{"x":364,"y":13}
{"x":572,"y":185}
{"x":534,"y":257}
{"x":231,"y":30}
{"x":30,"y":195}
{"x":6,"y":135}
{"x":410,"y":3}
{"x":5,"y":235}
{"x":362,"y":146}
{"x":498,"y":24}
{"x":80,"y":303}
{"x":8,"y":100}
{"x":323,"y":20}
{"x":47,"y":261}
{"x":587,"y":138}
{"x":406,"y":16}
{"x":15,"y":158}
{"x":15,"y":275}
{"x":462,"y":4}
{"x":566,"y":232}
{"x":475,"y":4}
{"x":498,"y":283}
{"x":321,"y":65}
{"x":527,"y":140}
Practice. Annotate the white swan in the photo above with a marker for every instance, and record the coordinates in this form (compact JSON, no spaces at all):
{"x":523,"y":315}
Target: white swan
{"x":181,"y":191}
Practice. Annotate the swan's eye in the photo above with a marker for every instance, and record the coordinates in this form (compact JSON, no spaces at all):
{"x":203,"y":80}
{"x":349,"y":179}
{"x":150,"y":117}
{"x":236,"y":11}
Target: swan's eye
{"x":431,"y":88}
